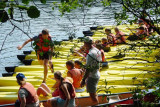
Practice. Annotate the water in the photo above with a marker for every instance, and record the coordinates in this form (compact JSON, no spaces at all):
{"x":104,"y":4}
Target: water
{"x":59,"y":27}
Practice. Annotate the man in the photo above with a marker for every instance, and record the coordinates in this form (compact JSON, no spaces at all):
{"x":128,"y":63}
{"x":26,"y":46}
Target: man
{"x":92,"y":75}
{"x":44,"y":49}
{"x":27,"y":95}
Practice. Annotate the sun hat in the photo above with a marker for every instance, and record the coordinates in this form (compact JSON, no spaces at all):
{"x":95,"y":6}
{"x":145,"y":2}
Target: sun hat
{"x":88,"y":39}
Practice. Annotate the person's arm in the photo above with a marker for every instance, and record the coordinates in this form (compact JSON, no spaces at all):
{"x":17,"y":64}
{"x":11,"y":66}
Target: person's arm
{"x":27,"y":41}
{"x":23,"y":102}
{"x":86,"y":74}
{"x":66,"y":92}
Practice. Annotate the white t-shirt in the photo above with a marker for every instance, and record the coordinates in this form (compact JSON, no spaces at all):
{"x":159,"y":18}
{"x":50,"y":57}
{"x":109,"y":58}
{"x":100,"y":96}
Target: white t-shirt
{"x":92,"y":60}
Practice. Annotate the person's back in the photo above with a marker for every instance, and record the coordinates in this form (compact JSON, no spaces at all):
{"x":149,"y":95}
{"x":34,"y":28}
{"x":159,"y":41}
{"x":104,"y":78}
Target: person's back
{"x":92,"y":61}
{"x":76,"y":75}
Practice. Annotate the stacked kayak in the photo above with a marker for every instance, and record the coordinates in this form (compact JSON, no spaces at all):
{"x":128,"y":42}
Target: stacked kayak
{"x":126,"y":70}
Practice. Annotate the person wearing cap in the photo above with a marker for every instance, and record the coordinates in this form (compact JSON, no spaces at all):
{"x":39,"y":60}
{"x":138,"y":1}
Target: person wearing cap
{"x":27,"y":95}
{"x":92,"y":75}
{"x":44,"y":49}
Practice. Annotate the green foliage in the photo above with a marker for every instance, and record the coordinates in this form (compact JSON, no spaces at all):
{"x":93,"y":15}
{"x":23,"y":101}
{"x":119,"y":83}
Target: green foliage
{"x":3,"y":16}
{"x":2,"y":5}
{"x":104,"y":88}
{"x":25,"y":2}
{"x":22,"y":7}
{"x":106,"y":2}
{"x":43,"y":1}
{"x":33,"y":12}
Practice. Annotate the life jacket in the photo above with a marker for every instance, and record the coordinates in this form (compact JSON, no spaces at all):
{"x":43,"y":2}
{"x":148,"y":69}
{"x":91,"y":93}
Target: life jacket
{"x":120,"y":35}
{"x":42,"y":44}
{"x":71,"y":90}
{"x":111,"y":39}
{"x":76,"y":75}
{"x":32,"y":94}
{"x":102,"y":55}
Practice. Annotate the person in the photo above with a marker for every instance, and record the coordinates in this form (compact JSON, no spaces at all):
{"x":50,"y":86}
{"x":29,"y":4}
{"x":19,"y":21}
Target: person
{"x":99,"y":46}
{"x":139,"y":35}
{"x":75,"y":74}
{"x":92,"y":74}
{"x":105,"y":45}
{"x":44,"y":50}
{"x":27,"y":95}
{"x":78,"y":64}
{"x":119,"y":36}
{"x":111,"y":37}
{"x":66,"y":93}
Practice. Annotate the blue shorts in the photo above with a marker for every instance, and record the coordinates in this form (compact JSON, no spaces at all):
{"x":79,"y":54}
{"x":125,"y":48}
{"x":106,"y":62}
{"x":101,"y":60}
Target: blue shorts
{"x":61,"y":102}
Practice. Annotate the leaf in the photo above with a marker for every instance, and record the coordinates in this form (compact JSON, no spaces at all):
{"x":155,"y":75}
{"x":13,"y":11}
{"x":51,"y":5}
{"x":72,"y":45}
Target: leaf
{"x":22,"y":7}
{"x":43,"y":1}
{"x":25,"y":1}
{"x":2,"y":5}
{"x":3,"y":16}
{"x":33,"y":12}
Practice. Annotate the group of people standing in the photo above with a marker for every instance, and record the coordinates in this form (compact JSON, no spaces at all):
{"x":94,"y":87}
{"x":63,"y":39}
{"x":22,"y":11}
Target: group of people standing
{"x":66,"y":87}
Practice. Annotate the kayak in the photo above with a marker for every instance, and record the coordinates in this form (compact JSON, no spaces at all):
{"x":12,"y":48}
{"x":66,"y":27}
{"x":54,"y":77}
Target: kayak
{"x":82,"y":101}
{"x":124,"y":72}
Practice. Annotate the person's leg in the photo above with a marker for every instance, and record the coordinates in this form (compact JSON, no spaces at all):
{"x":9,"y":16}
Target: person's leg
{"x":45,"y":70}
{"x":94,"y":98}
{"x":42,"y":91}
{"x":40,"y":59}
{"x":51,"y":66}
{"x":43,"y":85}
{"x":52,"y":102}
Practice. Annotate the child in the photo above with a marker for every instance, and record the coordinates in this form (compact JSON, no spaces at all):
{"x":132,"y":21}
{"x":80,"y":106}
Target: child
{"x":105,"y":45}
{"x":111,"y":37}
{"x":74,"y":73}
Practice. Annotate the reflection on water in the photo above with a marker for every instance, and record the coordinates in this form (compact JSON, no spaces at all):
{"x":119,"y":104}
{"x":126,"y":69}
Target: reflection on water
{"x":59,"y":27}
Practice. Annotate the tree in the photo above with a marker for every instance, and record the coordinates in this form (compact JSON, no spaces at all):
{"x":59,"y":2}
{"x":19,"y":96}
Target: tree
{"x":140,"y":9}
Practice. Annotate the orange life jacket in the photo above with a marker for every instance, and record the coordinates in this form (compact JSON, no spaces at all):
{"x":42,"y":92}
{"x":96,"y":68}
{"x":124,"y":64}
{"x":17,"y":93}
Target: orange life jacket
{"x":71,"y":90}
{"x":102,"y":55}
{"x":76,"y":75}
{"x":32,"y":94}
{"x":112,"y":39}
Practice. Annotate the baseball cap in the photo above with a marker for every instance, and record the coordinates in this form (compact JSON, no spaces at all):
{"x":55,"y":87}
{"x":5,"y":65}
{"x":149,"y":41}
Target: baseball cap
{"x":20,"y":76}
{"x":88,"y":39}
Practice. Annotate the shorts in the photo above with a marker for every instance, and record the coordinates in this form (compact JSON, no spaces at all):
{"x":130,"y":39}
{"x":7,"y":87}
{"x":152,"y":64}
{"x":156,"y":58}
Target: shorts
{"x":44,"y":56}
{"x":91,"y":84}
{"x":61,"y":102}
{"x":79,"y":90}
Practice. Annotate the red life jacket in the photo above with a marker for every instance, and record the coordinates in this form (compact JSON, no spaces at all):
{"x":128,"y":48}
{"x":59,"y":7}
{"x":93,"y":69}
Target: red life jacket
{"x":76,"y":75}
{"x":71,"y":90}
{"x":32,"y":94}
{"x":43,"y":46}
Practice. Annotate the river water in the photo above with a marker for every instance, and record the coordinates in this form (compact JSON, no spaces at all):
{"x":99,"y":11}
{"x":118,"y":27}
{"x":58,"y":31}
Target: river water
{"x":59,"y":27}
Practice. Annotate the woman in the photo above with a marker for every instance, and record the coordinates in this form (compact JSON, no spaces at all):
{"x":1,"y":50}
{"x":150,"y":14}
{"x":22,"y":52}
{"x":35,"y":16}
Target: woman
{"x":66,"y":93}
